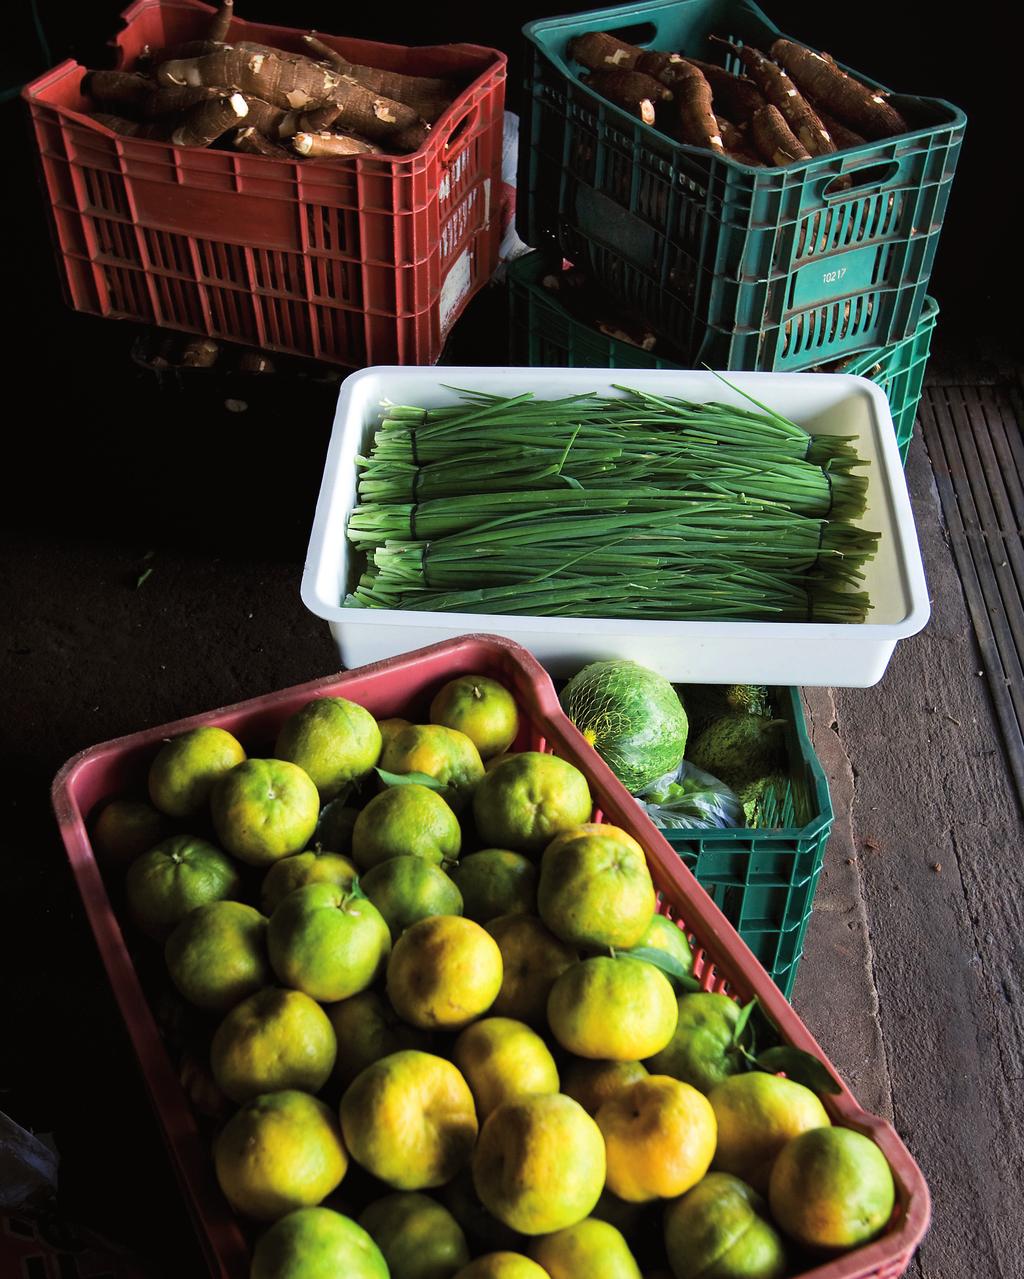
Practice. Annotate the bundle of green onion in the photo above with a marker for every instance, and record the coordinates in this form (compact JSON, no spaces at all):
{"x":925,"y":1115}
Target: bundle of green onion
{"x":646,"y":506}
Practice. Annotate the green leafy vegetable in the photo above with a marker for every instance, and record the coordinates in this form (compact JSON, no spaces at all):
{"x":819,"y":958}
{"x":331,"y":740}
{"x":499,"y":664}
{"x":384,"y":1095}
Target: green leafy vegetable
{"x":409,"y":779}
{"x":802,"y":1068}
{"x":667,"y":963}
{"x":741,"y":1022}
{"x":641,"y":505}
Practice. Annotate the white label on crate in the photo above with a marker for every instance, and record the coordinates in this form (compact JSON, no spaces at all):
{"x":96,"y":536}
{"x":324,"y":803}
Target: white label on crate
{"x":452,"y":175}
{"x":456,"y":285}
{"x":454,"y":230}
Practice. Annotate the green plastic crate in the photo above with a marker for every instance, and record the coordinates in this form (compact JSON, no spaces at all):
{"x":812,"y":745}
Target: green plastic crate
{"x":736,"y":267}
{"x":764,"y":879}
{"x":899,"y":371}
{"x":543,"y":333}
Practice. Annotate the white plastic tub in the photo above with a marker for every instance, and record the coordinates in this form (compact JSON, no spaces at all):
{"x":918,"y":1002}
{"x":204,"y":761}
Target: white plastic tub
{"x":853,"y":656}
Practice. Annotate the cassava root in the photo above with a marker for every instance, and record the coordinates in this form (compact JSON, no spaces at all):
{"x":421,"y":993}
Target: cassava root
{"x":738,"y":96}
{"x":852,"y":103}
{"x":599,"y":51}
{"x":331,"y":144}
{"x":775,"y":141}
{"x":632,"y":90}
{"x":285,"y":80}
{"x":257,"y":97}
{"x":695,"y":119}
{"x":780,"y":91}
{"x":217,"y":31}
{"x":207,"y":121}
{"x":252,"y":142}
{"x":118,"y":88}
{"x":817,"y":108}
{"x":428,"y":96}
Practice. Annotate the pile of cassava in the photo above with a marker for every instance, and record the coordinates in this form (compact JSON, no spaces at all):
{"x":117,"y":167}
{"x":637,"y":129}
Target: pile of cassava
{"x":267,"y":101}
{"x":789,"y":107}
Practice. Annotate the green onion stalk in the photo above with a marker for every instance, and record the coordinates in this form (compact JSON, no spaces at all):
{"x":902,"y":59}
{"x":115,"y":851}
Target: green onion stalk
{"x":646,"y":506}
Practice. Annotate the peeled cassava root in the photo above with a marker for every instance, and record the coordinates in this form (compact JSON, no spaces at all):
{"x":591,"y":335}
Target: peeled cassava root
{"x":787,"y":108}
{"x":324,"y":143}
{"x":200,"y":93}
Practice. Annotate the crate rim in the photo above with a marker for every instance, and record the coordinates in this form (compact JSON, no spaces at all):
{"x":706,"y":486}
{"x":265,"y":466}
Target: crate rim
{"x":596,"y":19}
{"x":614,"y":803}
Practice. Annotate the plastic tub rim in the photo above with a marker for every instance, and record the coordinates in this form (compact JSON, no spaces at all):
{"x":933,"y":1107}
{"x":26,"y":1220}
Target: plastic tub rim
{"x":315,"y":599}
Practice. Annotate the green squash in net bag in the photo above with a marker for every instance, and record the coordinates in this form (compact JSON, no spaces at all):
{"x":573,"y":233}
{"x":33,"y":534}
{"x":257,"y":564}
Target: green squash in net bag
{"x":632,"y":717}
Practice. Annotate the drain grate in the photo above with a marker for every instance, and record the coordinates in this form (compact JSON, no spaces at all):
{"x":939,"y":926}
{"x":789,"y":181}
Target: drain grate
{"x":973,"y":437}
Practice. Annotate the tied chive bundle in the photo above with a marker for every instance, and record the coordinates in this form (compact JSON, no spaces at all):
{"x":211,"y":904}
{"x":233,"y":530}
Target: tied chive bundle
{"x":646,"y":506}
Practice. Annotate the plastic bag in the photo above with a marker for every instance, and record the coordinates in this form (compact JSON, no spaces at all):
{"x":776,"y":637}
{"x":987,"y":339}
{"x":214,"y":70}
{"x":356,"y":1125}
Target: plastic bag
{"x":511,"y":245}
{"x":689,"y":799}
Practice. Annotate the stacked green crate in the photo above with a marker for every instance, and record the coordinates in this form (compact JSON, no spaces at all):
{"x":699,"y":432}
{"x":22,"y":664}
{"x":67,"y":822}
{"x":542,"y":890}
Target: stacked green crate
{"x":543,"y":332}
{"x":764,"y":877}
{"x":735,"y":266}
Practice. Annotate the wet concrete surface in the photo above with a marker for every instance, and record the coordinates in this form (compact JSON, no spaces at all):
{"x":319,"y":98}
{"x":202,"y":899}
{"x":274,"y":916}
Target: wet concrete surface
{"x":911,"y":976}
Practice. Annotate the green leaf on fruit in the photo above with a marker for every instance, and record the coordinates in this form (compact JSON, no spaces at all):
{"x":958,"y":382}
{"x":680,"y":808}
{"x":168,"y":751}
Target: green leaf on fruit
{"x":667,"y":963}
{"x":802,"y":1068}
{"x":741,"y":1022}
{"x":409,"y":779}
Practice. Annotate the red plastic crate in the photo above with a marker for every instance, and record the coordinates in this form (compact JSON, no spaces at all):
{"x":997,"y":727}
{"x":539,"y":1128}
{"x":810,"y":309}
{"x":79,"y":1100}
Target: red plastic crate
{"x":356,"y":261}
{"x":404,"y":686}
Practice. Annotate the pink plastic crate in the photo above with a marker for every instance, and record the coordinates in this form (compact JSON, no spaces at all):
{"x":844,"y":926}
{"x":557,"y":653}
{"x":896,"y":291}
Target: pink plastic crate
{"x":356,"y":261}
{"x":404,"y":686}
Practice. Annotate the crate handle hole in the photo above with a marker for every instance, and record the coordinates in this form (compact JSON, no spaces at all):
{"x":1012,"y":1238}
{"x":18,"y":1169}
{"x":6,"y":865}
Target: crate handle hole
{"x":461,"y":128}
{"x":872,"y":175}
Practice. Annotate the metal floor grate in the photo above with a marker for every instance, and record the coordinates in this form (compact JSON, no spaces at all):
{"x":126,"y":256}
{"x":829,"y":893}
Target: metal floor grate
{"x":973,"y":437}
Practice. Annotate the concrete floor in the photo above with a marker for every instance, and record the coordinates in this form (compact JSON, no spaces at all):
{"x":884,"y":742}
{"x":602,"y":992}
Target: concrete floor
{"x":912,"y":974}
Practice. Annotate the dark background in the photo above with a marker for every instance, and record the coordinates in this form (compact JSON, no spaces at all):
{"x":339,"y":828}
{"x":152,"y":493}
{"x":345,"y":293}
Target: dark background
{"x":108,"y":473}
{"x":76,"y":368}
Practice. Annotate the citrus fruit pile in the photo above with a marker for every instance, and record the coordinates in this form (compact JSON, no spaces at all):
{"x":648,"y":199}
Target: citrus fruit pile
{"x":439,"y":1029}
